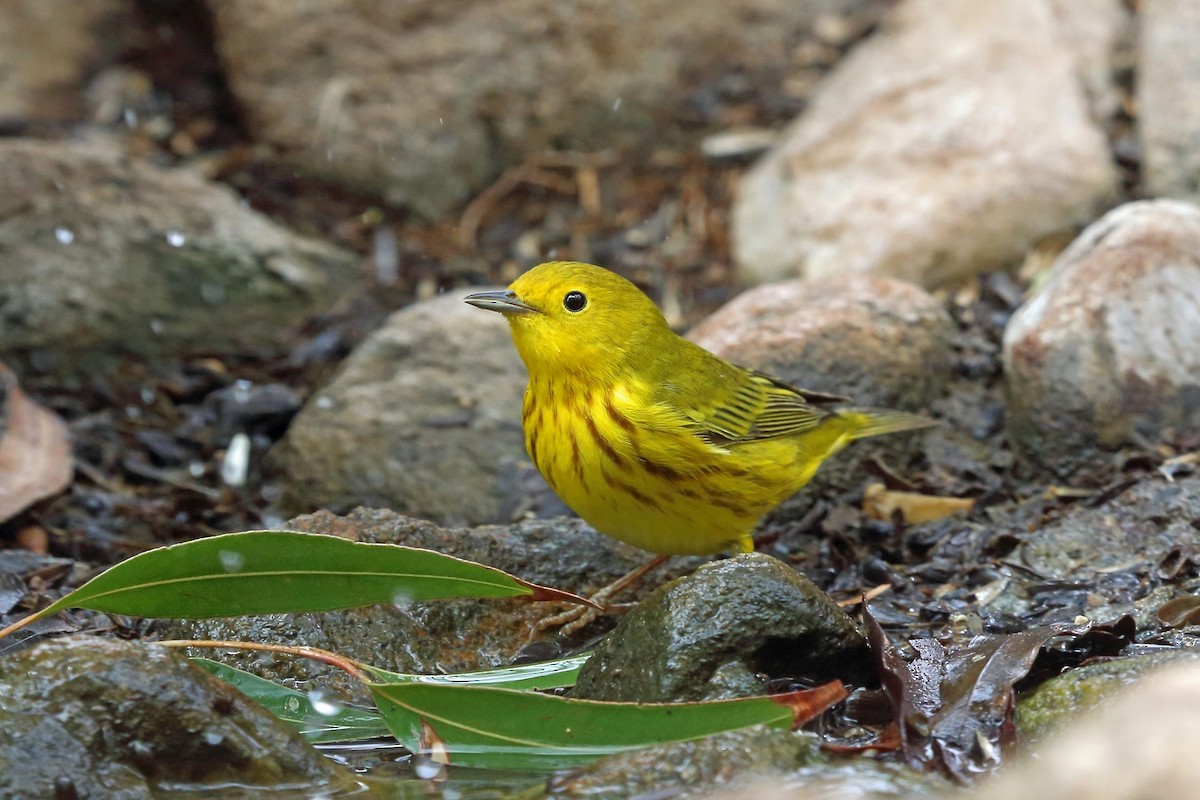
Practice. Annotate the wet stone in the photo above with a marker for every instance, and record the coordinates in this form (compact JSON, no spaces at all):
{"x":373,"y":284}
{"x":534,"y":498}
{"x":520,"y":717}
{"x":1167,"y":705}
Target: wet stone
{"x":115,"y":719}
{"x":717,"y":631}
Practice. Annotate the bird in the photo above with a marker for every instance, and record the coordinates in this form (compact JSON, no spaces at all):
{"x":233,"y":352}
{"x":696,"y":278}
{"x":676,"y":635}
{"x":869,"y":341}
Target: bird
{"x":650,"y":438}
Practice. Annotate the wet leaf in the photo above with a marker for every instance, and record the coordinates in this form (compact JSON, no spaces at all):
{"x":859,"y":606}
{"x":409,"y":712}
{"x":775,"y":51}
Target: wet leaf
{"x":35,"y":450}
{"x":882,"y":503}
{"x":320,"y":722}
{"x":507,"y":729}
{"x":954,"y":703}
{"x":267,"y":572}
{"x":1180,"y":612}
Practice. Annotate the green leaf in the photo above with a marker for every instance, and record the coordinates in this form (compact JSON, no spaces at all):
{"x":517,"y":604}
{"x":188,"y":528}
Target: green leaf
{"x":331,"y":724}
{"x":507,"y":729}
{"x":267,"y":572}
{"x":542,"y":675}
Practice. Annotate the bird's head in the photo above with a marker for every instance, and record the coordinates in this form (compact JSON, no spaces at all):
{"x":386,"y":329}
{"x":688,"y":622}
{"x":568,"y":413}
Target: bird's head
{"x":575,"y":317}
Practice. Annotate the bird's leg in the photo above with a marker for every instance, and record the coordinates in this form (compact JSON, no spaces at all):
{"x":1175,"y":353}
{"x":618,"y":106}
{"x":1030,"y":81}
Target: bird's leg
{"x":576,"y":617}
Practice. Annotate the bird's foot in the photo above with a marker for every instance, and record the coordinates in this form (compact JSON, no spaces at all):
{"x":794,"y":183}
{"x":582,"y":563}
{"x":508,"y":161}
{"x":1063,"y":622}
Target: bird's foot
{"x":577,"y":617}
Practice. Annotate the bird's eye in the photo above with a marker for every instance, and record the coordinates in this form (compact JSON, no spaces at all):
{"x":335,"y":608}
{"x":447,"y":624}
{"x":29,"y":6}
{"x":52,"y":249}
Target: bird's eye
{"x":575,"y":301}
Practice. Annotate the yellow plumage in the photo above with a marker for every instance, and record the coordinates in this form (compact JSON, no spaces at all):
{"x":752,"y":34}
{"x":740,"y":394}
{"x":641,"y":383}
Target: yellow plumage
{"x":648,"y":437}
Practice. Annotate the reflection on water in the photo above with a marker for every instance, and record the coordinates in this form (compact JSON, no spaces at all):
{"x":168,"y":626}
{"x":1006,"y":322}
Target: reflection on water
{"x":387,"y":769}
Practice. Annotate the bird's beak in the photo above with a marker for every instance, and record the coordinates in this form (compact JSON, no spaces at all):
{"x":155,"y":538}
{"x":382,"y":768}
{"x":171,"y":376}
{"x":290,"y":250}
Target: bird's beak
{"x":503,"y":300}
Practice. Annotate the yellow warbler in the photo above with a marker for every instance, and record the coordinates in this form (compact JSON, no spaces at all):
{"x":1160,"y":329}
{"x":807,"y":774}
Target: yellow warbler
{"x":650,"y":438}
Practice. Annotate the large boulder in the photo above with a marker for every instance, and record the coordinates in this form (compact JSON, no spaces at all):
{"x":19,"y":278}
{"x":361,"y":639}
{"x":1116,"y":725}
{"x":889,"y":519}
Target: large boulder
{"x":1105,"y":353}
{"x":49,"y":49}
{"x":423,"y":102}
{"x":1168,"y":95}
{"x":944,"y":147}
{"x":104,"y":256}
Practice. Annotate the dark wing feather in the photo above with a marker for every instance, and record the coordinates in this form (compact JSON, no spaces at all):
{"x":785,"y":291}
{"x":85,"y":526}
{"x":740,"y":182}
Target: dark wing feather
{"x":749,"y":406}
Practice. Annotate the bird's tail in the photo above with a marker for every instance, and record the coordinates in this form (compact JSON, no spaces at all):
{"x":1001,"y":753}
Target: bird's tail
{"x":865,"y":422}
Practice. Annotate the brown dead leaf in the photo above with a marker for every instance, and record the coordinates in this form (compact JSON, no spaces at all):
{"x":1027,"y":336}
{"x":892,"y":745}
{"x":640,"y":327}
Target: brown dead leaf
{"x":880,"y":502}
{"x":35,"y":450}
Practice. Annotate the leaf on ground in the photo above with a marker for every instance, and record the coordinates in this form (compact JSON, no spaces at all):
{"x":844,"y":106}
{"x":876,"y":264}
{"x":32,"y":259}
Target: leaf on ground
{"x":882,"y":503}
{"x":319,"y":721}
{"x":35,"y":450}
{"x":953,"y":704}
{"x":268,"y":572}
{"x":506,"y":729}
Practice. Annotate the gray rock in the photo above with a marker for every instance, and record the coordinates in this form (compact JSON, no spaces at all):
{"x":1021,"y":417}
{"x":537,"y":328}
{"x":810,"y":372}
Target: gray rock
{"x":49,"y":48}
{"x":104,"y":256}
{"x":711,"y":634}
{"x":424,"y":102}
{"x":1105,"y":353}
{"x":927,"y":153}
{"x":1169,"y":98}
{"x":424,"y":417}
{"x":101,"y":718}
{"x":423,"y":638}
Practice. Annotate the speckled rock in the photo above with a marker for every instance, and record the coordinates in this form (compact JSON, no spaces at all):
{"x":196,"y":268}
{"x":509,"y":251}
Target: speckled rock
{"x":879,"y":341}
{"x":1168,"y":95}
{"x":423,"y":638}
{"x":102,"y":718}
{"x":942,"y":148}
{"x":103,"y":256}
{"x":423,"y":417}
{"x":424,"y":101}
{"x":1105,"y":353}
{"x":49,"y":49}
{"x":712,"y":633}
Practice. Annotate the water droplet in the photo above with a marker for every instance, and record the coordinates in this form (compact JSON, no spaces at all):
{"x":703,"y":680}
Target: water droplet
{"x":212,"y":293}
{"x":64,"y":235}
{"x":196,"y":468}
{"x":176,"y":239}
{"x":324,"y":703}
{"x":386,"y":256}
{"x":131,"y":118}
{"x":292,"y":705}
{"x":402,"y":599}
{"x":426,"y":768}
{"x":157,"y":327}
{"x":236,"y":464}
{"x":617,"y":103}
{"x":214,"y":738}
{"x":231,"y":561}
{"x":324,"y":402}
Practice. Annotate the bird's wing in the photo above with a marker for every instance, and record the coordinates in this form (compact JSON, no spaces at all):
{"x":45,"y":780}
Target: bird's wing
{"x":750,"y":406}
